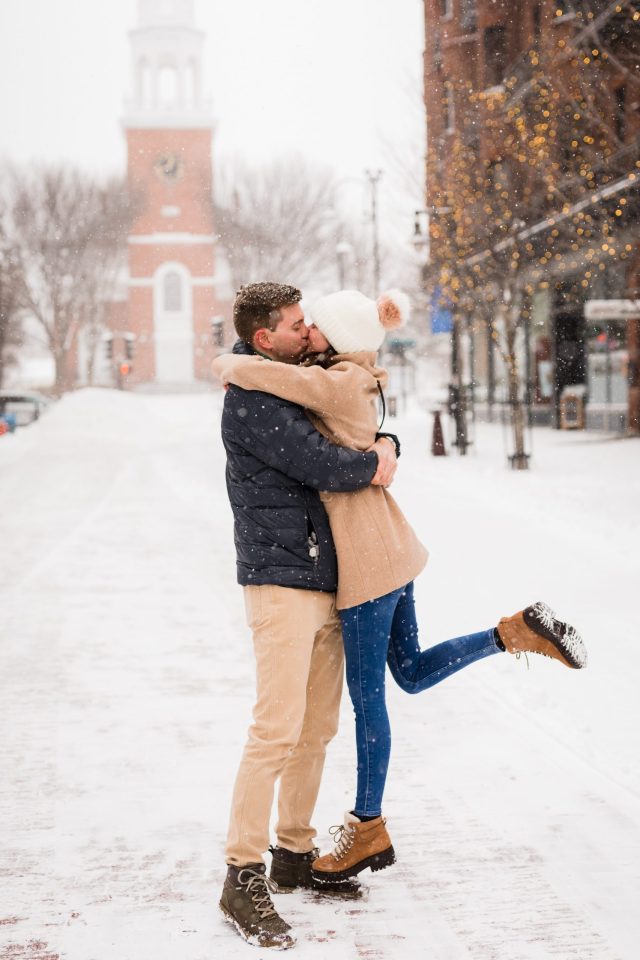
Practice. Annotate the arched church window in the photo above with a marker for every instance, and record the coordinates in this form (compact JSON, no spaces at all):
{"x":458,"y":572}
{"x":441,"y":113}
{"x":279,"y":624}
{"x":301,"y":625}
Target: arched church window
{"x":168,"y":85}
{"x":192,"y":82}
{"x":172,"y":291}
{"x":144,"y":81}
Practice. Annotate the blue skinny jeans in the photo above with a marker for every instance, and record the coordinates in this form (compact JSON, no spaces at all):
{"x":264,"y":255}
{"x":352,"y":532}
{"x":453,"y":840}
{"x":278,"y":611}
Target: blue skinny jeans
{"x":384,"y":631}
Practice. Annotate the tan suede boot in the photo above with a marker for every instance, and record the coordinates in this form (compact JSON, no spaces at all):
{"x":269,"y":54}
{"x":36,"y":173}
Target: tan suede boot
{"x":358,"y":846}
{"x":536,"y":629}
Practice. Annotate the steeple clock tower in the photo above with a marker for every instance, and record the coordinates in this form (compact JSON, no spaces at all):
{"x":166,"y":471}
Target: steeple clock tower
{"x":171,"y":247}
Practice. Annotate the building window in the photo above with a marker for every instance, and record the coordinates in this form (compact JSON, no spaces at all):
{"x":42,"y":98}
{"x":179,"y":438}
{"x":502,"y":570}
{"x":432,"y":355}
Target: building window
{"x":437,"y":50}
{"x":144,"y":81}
{"x":449,"y":107}
{"x":192,"y":82}
{"x":472,"y":142}
{"x":217,"y":331}
{"x":567,"y":153}
{"x":502,"y":177}
{"x":537,"y":22}
{"x":168,"y":85}
{"x":172,"y":291}
{"x":495,"y":54}
{"x":446,"y":9}
{"x":608,"y":361}
{"x":468,"y":15}
{"x":621,"y":102}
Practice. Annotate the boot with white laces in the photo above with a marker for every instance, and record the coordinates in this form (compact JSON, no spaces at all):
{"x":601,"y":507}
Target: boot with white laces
{"x":358,"y":845}
{"x":537,"y":629}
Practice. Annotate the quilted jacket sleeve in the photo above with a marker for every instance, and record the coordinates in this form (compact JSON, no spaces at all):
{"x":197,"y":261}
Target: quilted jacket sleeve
{"x":279,"y":434}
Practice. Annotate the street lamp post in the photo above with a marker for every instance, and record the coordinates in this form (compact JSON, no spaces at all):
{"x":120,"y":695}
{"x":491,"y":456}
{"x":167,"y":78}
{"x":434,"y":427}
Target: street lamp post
{"x":373,"y":176}
{"x":420,"y":239}
{"x":343,"y":249}
{"x":458,"y":391}
{"x":457,"y":399}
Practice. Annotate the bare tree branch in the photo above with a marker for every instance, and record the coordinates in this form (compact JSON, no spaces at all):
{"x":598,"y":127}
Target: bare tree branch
{"x":10,"y":298}
{"x":67,"y":232}
{"x":275,"y":222}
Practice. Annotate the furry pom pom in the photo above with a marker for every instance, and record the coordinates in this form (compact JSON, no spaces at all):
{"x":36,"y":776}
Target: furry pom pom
{"x":394,"y":308}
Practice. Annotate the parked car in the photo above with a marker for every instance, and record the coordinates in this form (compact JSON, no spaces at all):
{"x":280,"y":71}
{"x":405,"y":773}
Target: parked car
{"x":8,"y":423}
{"x":23,"y":407}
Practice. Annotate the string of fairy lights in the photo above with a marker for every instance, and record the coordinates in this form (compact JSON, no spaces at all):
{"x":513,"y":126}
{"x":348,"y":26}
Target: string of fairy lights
{"x":532,"y":188}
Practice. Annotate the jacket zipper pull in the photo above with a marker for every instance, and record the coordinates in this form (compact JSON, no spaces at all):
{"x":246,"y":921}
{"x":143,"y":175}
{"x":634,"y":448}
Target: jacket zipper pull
{"x":312,"y":542}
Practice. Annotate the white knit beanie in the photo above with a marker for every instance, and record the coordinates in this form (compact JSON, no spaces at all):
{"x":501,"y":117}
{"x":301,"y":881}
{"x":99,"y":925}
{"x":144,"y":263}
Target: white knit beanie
{"x":352,"y":322}
{"x":349,"y":321}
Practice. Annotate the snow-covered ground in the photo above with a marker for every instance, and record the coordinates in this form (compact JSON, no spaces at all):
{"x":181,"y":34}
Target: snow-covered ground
{"x":126,"y":683}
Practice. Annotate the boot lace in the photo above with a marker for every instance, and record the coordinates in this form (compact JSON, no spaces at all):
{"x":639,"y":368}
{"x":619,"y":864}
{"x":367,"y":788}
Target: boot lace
{"x":260,"y":888}
{"x":343,"y":837}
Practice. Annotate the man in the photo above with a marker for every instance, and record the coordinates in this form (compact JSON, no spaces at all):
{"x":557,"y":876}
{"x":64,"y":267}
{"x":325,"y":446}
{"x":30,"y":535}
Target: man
{"x":276,"y":464}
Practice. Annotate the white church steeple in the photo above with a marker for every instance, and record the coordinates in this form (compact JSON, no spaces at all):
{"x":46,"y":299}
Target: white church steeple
{"x":172,"y":13}
{"x":167,"y":52}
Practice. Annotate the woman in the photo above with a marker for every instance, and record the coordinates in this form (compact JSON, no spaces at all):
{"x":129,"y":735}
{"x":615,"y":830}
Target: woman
{"x":379,"y":556}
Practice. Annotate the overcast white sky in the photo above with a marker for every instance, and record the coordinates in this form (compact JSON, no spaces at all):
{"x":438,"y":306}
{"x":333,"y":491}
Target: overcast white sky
{"x":330,"y":78}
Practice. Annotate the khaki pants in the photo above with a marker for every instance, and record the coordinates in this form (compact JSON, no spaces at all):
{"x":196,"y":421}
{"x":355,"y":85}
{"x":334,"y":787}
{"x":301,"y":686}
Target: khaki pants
{"x":299,"y":665}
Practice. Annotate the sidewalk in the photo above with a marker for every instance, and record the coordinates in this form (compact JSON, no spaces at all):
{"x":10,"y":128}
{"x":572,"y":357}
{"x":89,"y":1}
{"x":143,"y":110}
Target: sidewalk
{"x":126,"y":683}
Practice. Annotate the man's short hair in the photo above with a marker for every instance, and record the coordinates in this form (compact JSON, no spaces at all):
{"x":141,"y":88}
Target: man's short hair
{"x":257,"y":305}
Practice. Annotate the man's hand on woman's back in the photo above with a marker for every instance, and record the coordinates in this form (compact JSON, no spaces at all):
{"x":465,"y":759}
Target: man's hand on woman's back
{"x":387,"y":462}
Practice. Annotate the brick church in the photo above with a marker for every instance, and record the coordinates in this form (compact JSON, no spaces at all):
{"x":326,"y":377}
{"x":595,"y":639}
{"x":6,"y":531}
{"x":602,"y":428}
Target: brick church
{"x":174,"y":304}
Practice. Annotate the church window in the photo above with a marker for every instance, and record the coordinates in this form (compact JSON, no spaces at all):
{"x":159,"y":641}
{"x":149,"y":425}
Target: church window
{"x":168,"y":85}
{"x":144,"y":81}
{"x":192,"y":82}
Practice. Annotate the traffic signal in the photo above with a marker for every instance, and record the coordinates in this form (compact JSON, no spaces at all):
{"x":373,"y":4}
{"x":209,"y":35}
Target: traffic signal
{"x":217,"y":331}
{"x":125,"y":369}
{"x":108,"y":347}
{"x":129,"y":345}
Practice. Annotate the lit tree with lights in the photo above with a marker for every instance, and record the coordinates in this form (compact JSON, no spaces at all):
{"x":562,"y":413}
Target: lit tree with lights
{"x":549,"y":190}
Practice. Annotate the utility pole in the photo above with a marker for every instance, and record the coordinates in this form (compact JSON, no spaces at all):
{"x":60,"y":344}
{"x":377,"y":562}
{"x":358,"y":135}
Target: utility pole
{"x":373,"y":176}
{"x":343,"y":249}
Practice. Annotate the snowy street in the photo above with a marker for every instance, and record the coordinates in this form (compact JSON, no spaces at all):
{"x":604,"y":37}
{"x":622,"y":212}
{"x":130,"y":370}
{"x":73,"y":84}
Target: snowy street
{"x":126,"y":680}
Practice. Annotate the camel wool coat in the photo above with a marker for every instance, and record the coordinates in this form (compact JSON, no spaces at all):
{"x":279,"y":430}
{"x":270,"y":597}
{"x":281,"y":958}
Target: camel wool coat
{"x":377,"y":549}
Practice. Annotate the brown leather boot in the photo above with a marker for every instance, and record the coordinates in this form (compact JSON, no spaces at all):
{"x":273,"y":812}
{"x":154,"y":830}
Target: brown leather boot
{"x":536,"y":629}
{"x":358,"y":846}
{"x":293,"y":871}
{"x":246,"y":904}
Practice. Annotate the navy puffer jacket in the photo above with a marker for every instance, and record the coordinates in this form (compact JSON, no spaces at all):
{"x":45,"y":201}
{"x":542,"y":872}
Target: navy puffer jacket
{"x":276,"y":464}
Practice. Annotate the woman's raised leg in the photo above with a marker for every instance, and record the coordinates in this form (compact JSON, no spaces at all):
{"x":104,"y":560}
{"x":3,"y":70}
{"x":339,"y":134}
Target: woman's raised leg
{"x":414,"y":669}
